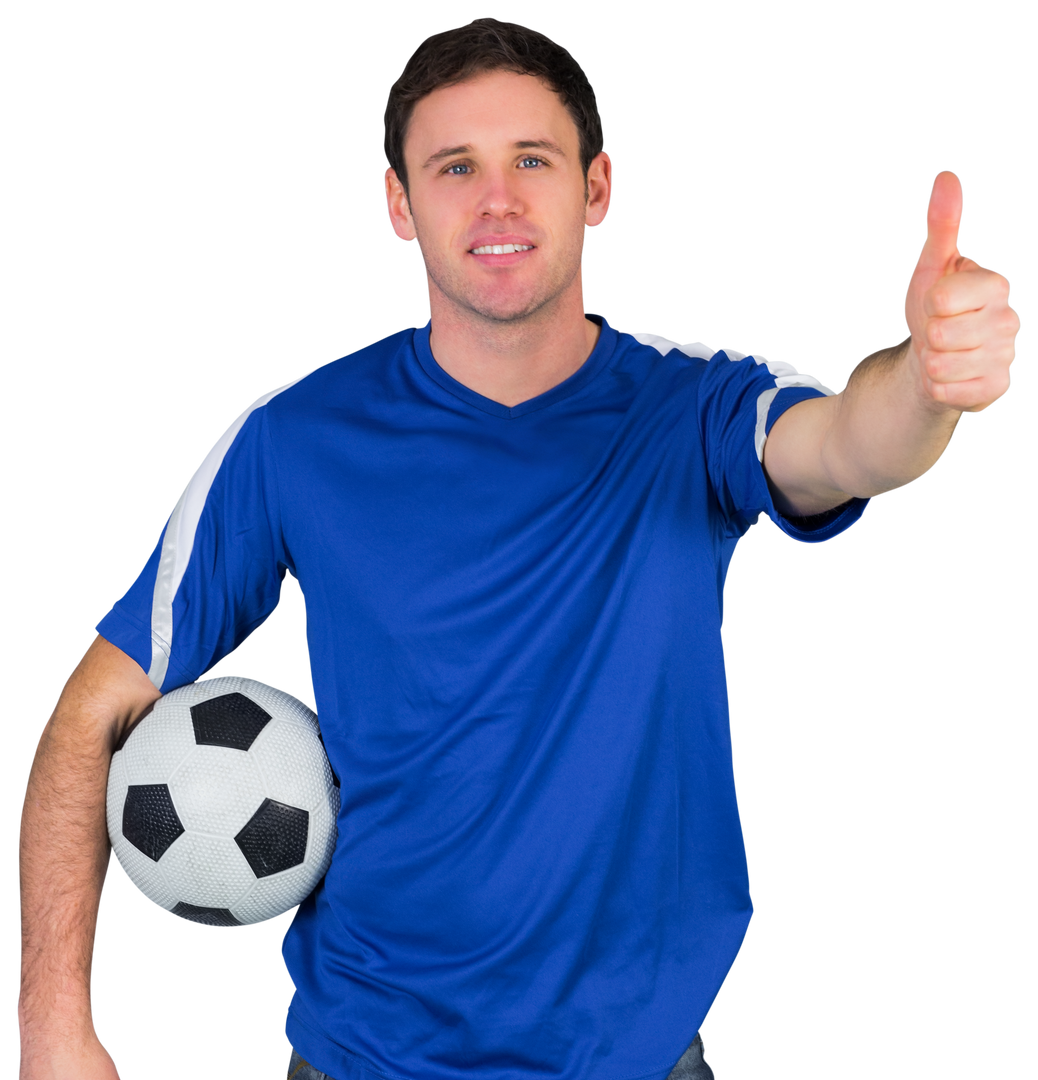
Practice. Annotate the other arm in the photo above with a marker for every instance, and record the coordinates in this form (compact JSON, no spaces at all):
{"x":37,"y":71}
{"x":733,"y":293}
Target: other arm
{"x":900,"y":406}
{"x":64,"y":856}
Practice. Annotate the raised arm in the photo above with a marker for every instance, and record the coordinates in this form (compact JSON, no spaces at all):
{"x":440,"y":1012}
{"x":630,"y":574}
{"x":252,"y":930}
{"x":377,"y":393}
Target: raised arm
{"x":64,"y":856}
{"x":900,"y":406}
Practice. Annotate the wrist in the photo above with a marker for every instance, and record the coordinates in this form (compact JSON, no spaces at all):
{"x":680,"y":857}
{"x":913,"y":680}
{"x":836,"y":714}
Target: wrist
{"x":62,"y":1020}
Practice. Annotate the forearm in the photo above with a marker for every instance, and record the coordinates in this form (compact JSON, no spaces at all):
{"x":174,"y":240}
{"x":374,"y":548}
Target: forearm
{"x":886,"y":430}
{"x":64,"y":856}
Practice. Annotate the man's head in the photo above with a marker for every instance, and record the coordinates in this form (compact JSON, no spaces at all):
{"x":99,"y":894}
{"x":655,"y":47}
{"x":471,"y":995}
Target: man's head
{"x":483,"y":46}
{"x":494,"y":143}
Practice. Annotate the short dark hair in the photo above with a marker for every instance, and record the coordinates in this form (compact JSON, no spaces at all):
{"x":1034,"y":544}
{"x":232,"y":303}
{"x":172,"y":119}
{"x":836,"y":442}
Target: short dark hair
{"x":488,"y":45}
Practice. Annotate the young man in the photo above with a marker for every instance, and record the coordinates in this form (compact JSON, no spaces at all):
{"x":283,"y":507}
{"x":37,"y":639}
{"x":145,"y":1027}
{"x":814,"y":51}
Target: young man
{"x":511,"y":528}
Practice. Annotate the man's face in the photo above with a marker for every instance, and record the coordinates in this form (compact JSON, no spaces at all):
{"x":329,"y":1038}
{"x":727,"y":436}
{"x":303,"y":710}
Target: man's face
{"x":494,"y":163}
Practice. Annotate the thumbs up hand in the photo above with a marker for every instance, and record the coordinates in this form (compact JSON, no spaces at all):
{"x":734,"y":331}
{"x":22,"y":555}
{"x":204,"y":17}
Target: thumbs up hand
{"x":963,"y":329}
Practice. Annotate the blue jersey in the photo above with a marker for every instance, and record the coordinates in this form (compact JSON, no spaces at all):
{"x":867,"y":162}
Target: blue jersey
{"x":513,"y":617}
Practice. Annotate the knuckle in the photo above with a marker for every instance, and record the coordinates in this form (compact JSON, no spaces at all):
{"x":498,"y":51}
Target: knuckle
{"x":935,"y":333}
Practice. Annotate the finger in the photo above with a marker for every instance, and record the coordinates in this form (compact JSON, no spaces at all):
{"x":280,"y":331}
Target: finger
{"x":995,"y":329}
{"x":967,"y":290}
{"x":973,"y":395}
{"x":959,"y":333}
{"x":942,"y":229}
{"x":951,"y":367}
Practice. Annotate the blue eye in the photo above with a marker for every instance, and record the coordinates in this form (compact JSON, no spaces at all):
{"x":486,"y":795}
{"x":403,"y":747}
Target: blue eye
{"x":454,"y":170}
{"x":530,"y":162}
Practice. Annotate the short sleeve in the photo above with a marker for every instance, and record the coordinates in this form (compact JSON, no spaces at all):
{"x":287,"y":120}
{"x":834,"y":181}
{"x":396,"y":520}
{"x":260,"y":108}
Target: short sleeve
{"x":216,"y":572}
{"x":739,"y":399}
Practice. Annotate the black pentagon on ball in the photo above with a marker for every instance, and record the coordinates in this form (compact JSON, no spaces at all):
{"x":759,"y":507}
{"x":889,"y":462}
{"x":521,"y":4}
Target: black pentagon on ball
{"x":231,"y":720}
{"x":150,"y":820}
{"x":208,"y":916}
{"x":274,"y":839}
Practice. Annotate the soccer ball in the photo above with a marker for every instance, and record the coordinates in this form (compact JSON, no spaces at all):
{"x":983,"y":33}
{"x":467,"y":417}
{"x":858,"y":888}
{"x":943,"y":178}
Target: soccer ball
{"x":222,"y":804}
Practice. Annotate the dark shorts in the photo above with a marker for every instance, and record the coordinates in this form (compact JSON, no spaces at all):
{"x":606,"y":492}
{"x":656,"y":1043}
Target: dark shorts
{"x":690,"y":1067}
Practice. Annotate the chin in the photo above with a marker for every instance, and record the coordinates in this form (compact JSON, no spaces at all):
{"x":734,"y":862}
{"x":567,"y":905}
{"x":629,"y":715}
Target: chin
{"x":505,"y":312}
{"x":500,"y":302}
{"x":507,"y":307}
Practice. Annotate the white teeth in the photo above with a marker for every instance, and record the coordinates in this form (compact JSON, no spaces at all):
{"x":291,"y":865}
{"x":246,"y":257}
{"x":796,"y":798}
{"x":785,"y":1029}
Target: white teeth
{"x":501,"y":249}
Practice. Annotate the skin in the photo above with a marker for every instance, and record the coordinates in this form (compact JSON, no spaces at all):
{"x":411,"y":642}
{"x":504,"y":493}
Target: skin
{"x":511,"y":327}
{"x":900,"y":406}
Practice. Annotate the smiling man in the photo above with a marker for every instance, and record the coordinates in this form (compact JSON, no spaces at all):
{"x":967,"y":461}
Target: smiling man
{"x":496,"y":184}
{"x":511,"y":528}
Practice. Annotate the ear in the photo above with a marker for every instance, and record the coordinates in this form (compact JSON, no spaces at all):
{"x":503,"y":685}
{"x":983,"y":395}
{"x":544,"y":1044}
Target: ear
{"x":599,"y":188}
{"x":399,"y":208}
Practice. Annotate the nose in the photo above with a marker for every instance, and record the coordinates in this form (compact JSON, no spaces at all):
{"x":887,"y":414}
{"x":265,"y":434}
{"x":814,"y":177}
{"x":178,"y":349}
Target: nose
{"x":499,"y":195}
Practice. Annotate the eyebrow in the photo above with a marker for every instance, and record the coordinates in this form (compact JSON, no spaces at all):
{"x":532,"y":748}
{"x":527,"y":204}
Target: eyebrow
{"x":522,"y":144}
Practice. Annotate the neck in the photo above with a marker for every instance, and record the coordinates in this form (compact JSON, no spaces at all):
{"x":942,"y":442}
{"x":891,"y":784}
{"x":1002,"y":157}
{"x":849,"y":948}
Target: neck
{"x":511,"y":362}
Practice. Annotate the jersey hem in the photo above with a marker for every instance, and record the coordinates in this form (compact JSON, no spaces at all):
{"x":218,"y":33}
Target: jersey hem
{"x":362,"y":1070}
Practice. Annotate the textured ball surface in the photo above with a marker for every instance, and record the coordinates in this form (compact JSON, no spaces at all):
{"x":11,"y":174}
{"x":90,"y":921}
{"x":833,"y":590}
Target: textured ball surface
{"x":222,"y":804}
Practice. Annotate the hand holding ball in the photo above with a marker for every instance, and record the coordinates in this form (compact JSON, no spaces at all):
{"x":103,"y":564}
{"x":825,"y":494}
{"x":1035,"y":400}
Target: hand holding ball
{"x":222,"y":804}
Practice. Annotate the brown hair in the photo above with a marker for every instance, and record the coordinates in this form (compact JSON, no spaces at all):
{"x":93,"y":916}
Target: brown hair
{"x":488,"y":45}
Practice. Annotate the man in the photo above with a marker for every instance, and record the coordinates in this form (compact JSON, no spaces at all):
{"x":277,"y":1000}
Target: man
{"x":511,"y":529}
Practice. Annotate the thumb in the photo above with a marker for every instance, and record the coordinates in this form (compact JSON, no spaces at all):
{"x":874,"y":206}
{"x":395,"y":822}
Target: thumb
{"x":940,"y":252}
{"x":942,"y":226}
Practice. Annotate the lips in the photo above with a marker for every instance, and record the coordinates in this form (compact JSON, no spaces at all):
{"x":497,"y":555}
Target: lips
{"x":501,"y":249}
{"x":501,"y":256}
{"x":502,"y":260}
{"x":509,"y":244}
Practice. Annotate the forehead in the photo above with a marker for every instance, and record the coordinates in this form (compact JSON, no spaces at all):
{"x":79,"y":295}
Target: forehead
{"x":492,"y":108}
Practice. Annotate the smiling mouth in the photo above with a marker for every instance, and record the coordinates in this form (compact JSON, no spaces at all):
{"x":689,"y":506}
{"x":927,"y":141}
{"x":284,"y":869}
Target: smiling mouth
{"x":500,"y":249}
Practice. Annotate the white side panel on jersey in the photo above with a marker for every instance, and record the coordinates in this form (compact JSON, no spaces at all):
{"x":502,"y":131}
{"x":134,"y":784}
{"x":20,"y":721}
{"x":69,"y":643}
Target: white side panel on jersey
{"x":785,"y":375}
{"x":180,"y":539}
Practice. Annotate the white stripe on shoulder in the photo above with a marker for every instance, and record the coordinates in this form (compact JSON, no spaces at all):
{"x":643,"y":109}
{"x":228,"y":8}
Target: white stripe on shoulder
{"x":785,"y":375}
{"x":697,"y":349}
{"x":179,"y":541}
